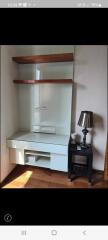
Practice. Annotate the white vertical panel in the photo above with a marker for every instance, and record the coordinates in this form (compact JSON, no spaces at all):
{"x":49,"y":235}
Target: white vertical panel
{"x":25,"y":96}
{"x":46,"y":104}
{"x":16,"y":156}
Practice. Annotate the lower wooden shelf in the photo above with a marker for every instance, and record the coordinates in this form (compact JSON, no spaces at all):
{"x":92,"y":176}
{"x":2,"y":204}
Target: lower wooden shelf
{"x":57,"y":81}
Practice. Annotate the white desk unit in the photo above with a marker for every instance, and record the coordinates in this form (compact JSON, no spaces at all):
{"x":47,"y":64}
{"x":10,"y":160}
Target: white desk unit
{"x":42,"y":150}
{"x":45,"y":105}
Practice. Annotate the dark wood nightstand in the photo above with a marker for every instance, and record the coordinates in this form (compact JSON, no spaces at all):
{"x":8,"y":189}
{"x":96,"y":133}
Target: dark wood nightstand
{"x":79,"y":169}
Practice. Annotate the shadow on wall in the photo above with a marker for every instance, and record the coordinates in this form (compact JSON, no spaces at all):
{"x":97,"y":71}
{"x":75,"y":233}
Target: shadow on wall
{"x":97,"y":152}
{"x":98,"y":123}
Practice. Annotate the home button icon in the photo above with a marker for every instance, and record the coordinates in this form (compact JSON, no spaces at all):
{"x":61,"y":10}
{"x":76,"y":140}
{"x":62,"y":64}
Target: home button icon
{"x":54,"y":232}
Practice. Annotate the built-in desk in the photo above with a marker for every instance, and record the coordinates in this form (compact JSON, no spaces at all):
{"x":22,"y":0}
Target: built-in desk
{"x":39,"y":149}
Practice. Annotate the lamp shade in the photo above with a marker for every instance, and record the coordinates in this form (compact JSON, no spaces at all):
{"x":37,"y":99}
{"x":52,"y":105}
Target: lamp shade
{"x":86,"y":119}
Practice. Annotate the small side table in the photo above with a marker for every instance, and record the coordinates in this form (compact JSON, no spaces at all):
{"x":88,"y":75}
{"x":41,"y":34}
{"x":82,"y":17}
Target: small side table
{"x":78,"y":169}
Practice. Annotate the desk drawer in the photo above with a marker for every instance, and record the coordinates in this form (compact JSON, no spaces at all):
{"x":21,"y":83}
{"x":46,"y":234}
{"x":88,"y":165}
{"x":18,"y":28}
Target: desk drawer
{"x":38,"y":146}
{"x":59,"y":162}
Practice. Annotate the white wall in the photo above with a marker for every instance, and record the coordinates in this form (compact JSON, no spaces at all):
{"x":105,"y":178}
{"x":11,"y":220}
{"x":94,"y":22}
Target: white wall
{"x":9,"y":109}
{"x":91,"y":94}
{"x":42,"y":49}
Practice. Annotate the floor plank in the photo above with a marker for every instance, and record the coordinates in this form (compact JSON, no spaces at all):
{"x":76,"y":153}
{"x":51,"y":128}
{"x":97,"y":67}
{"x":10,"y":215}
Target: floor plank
{"x":33,"y":177}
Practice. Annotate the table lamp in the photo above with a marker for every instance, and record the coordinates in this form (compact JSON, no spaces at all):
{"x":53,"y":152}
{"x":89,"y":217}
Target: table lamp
{"x":85,"y":121}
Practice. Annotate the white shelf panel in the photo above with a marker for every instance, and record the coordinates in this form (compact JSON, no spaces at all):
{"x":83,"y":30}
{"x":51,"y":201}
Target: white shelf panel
{"x":42,"y":162}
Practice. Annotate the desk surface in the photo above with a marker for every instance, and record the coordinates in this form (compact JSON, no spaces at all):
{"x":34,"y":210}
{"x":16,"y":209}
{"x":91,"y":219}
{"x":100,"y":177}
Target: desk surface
{"x":41,"y":138}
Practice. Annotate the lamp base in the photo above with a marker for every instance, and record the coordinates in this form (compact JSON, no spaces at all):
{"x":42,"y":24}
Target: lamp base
{"x":85,"y":131}
{"x":84,"y":145}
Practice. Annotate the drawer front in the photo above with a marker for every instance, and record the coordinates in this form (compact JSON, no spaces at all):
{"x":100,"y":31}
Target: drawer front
{"x":46,"y":147}
{"x":59,"y":162}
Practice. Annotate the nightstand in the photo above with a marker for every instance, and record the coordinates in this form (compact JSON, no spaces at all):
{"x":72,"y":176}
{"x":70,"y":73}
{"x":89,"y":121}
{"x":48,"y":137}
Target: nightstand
{"x":79,"y":169}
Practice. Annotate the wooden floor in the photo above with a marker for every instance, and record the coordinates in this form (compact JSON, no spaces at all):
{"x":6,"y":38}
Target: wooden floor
{"x":32,"y":177}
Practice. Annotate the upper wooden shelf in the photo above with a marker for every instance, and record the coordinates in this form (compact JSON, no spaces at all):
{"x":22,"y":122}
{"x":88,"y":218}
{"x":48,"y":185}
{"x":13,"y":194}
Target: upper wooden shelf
{"x":65,"y":57}
{"x":58,"y":81}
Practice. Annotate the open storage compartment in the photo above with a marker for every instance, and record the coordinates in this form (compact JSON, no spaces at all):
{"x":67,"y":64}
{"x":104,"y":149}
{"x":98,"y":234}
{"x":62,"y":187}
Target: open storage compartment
{"x":37,"y":158}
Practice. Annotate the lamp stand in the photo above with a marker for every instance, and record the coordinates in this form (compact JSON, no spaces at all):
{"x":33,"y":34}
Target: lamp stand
{"x":84,"y":131}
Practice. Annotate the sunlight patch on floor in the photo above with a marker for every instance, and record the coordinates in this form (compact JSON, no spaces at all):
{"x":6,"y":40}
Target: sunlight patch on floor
{"x":20,"y":181}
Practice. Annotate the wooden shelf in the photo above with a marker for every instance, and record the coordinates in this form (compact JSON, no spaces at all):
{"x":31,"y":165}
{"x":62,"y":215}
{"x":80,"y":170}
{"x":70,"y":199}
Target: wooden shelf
{"x":57,"y":81}
{"x":65,"y":57}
